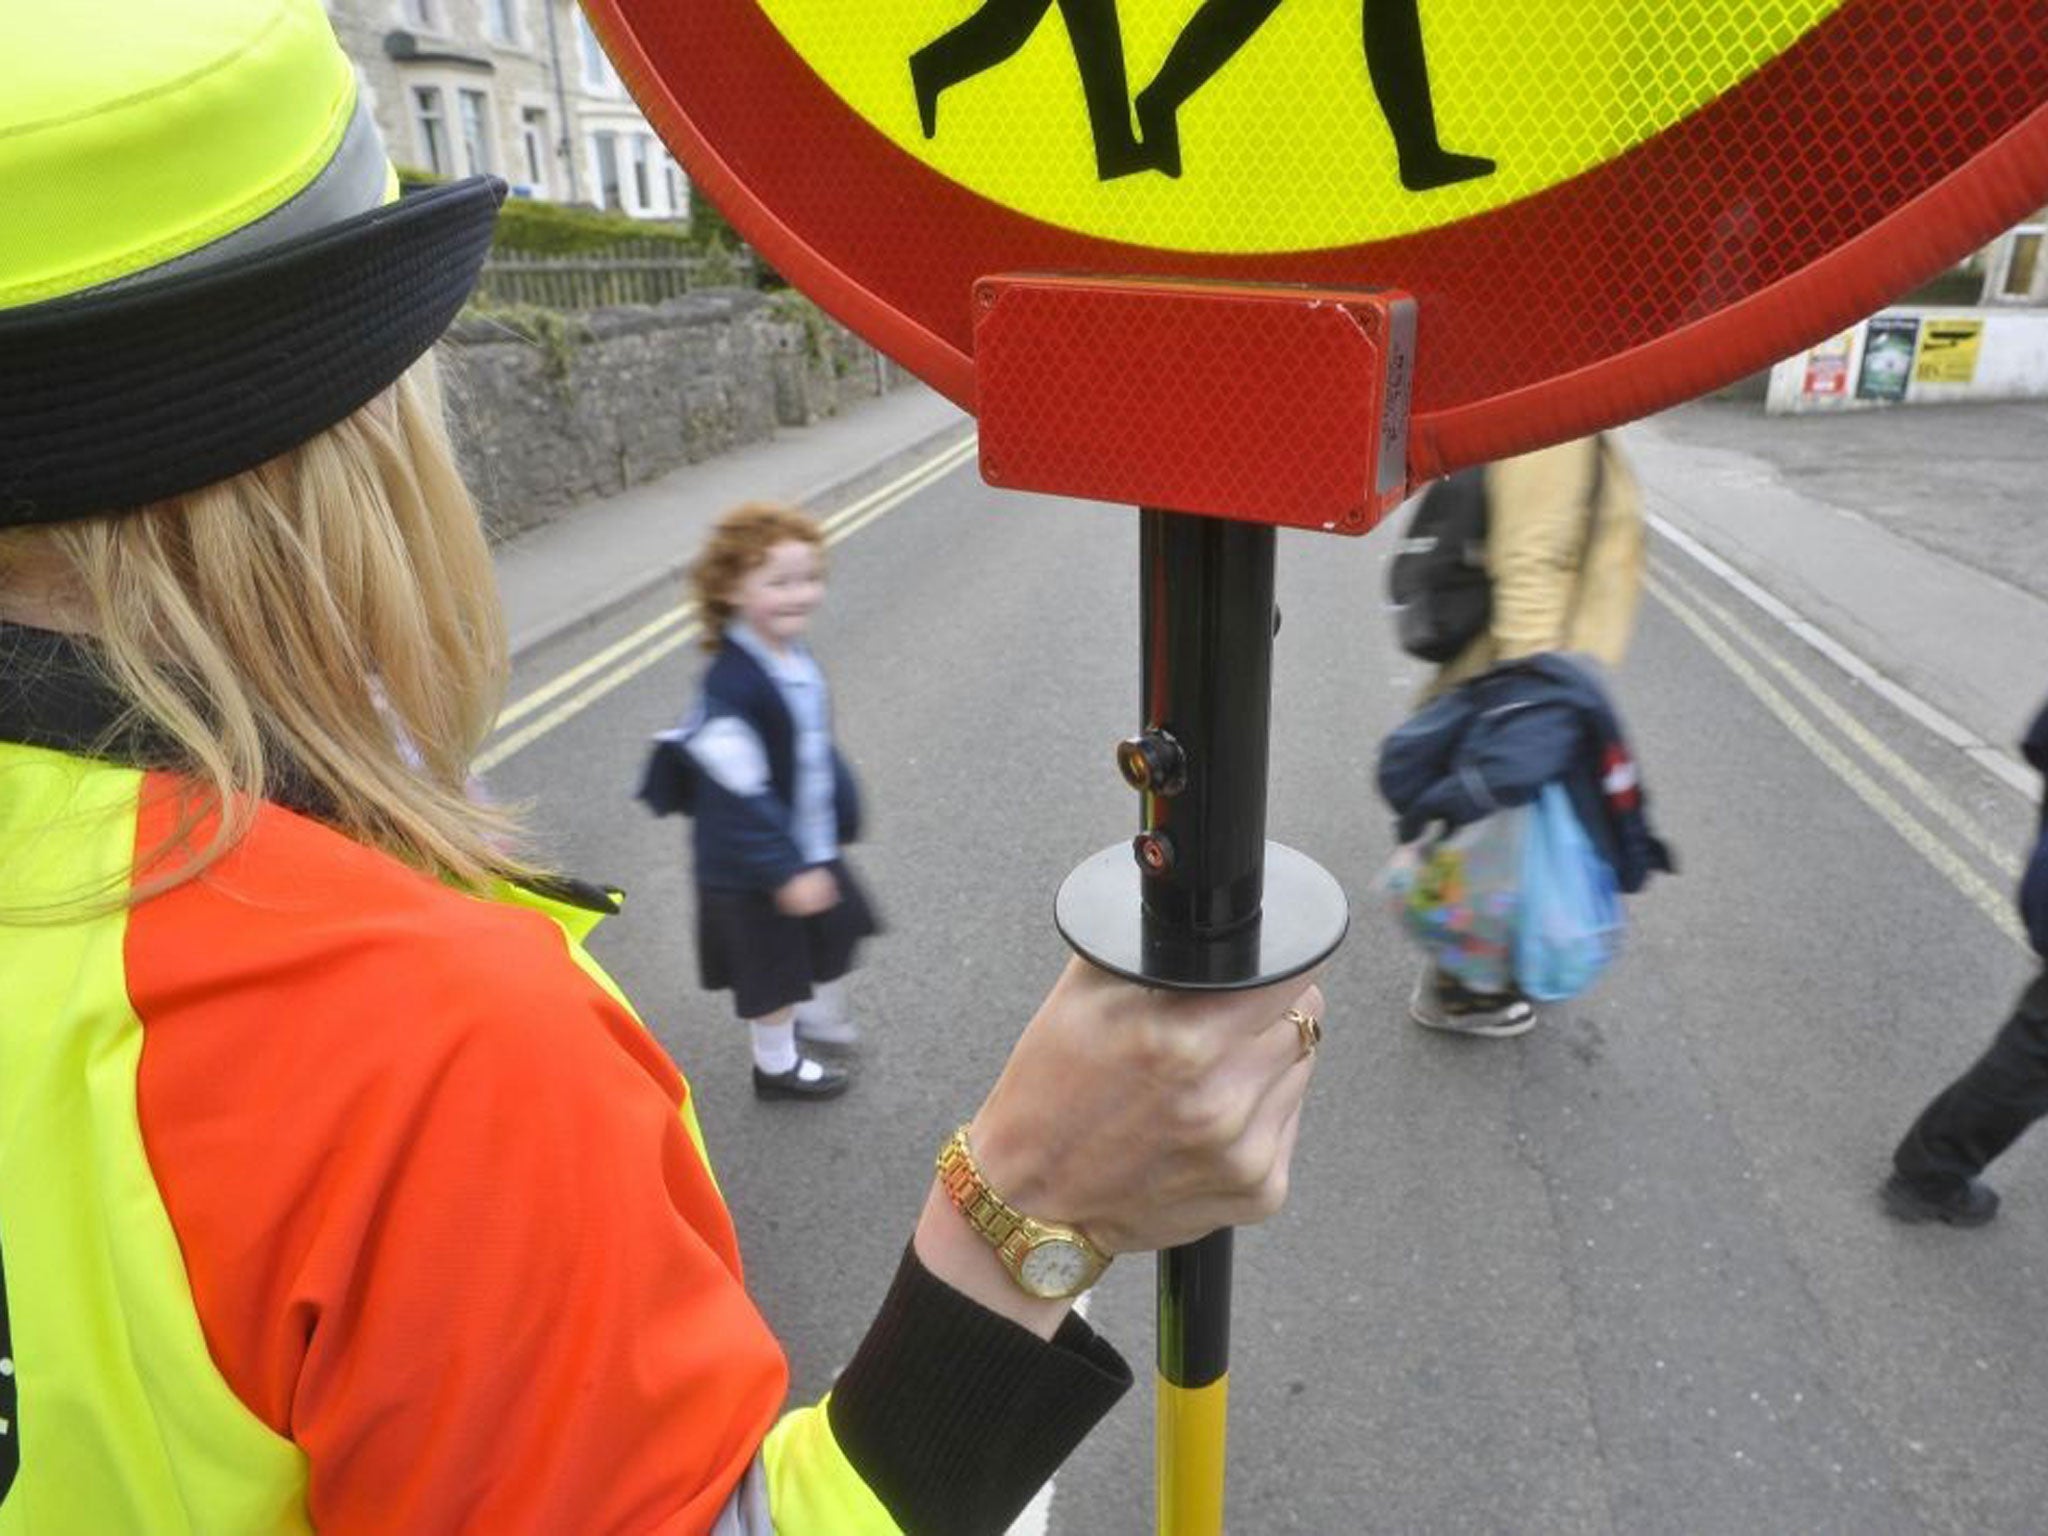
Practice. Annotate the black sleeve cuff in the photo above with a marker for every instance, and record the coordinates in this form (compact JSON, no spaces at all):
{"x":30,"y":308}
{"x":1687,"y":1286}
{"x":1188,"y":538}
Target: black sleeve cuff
{"x":956,"y":1416}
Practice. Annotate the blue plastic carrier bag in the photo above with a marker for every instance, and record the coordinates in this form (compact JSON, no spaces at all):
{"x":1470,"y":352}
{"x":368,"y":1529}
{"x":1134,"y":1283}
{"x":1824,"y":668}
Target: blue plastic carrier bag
{"x":1571,"y":918}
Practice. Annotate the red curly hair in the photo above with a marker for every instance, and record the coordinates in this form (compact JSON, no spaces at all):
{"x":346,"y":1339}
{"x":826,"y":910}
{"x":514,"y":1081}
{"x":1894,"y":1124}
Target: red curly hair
{"x":739,"y":542}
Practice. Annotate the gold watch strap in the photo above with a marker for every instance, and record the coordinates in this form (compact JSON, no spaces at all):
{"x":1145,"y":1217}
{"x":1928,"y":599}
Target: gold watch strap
{"x":988,"y":1212}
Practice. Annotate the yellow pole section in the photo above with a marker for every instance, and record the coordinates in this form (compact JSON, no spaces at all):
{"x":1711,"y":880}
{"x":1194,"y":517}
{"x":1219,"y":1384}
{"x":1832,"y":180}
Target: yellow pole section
{"x":1192,"y":1430}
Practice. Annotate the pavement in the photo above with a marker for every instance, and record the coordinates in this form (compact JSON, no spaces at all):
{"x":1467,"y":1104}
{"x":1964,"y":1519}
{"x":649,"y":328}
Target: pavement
{"x":580,"y":567}
{"x":1912,"y":537}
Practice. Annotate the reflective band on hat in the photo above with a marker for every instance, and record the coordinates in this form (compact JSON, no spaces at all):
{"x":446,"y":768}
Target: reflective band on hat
{"x":204,"y":257}
{"x":134,"y":132}
{"x":357,"y":179}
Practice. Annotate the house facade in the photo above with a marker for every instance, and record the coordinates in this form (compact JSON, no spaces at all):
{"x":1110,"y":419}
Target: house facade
{"x":513,"y":88}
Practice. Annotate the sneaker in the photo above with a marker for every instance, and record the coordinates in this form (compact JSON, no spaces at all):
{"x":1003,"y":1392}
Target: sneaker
{"x":1441,"y":1003}
{"x":1970,"y":1206}
{"x":808,"y":1079}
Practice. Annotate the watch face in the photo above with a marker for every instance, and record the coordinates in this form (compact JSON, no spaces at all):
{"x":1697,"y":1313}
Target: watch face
{"x":1056,"y":1267}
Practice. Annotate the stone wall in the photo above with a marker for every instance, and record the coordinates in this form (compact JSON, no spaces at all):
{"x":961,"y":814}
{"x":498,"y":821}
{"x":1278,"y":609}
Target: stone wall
{"x":551,"y":410}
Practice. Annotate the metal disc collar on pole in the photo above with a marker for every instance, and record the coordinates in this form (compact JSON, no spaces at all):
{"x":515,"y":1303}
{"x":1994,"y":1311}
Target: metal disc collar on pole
{"x":1302,"y":921}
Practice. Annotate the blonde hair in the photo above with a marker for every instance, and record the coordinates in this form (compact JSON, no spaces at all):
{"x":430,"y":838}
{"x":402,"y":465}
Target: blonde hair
{"x":327,"y":621}
{"x":739,"y":542}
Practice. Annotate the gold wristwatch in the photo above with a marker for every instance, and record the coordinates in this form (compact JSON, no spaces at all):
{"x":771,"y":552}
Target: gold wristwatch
{"x":1047,"y":1260}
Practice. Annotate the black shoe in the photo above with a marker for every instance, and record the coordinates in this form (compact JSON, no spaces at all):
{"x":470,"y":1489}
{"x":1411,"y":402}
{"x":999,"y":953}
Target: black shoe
{"x":1126,"y":157}
{"x":794,"y":1084}
{"x":1427,"y":169}
{"x":1440,"y":1002}
{"x":1159,"y":136}
{"x":1970,"y":1206}
{"x":927,"y":96}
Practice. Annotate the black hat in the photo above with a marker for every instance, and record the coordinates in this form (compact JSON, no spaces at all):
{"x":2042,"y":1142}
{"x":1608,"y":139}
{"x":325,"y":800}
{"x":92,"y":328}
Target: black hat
{"x":208,"y":264}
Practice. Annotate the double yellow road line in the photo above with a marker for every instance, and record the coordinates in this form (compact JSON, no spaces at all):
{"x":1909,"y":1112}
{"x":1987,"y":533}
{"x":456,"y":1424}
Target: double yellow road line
{"x":562,"y":698}
{"x":1904,"y":798}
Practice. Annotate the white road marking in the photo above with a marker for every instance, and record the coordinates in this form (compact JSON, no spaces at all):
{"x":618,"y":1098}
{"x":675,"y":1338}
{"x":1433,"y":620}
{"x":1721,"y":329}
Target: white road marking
{"x":623,"y":660}
{"x":1961,"y":822}
{"x":1995,"y":760}
{"x":1995,"y":905}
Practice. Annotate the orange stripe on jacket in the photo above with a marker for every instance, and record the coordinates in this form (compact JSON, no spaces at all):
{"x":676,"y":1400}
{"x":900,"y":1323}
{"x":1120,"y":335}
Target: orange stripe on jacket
{"x":443,"y":1224}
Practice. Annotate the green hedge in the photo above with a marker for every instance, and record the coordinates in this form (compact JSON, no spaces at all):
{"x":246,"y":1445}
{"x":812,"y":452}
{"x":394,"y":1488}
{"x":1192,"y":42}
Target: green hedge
{"x":1958,"y":285}
{"x":714,"y":232}
{"x":557,"y":229}
{"x":562,"y":229}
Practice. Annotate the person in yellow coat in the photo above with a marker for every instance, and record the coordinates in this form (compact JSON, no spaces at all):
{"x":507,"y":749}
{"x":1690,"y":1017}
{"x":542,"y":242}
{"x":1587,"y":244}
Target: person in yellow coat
{"x":1564,"y":556}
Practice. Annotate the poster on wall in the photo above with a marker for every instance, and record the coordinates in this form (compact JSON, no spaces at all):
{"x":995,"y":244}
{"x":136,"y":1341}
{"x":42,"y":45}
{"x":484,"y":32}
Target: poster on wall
{"x":1948,"y":352}
{"x":1888,"y":342}
{"x":1827,"y":367}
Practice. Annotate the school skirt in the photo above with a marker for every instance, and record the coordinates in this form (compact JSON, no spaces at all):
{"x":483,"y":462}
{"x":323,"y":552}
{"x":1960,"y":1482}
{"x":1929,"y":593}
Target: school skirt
{"x":769,"y":960}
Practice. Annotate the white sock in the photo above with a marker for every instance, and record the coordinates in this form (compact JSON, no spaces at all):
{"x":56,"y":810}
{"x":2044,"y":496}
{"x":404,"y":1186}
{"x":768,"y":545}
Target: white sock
{"x":824,"y":1016}
{"x":774,"y":1043}
{"x":775,"y":1049}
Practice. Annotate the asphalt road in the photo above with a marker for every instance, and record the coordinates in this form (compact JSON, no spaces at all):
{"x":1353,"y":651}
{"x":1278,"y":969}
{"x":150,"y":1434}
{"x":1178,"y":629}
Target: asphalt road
{"x":1624,"y":1275}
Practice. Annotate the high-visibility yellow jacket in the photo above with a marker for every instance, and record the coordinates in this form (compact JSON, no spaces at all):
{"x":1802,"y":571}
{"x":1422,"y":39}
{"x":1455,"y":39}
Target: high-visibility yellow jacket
{"x":335,"y":1199}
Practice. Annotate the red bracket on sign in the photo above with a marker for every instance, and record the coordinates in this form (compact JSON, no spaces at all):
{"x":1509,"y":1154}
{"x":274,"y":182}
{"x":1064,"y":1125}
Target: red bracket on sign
{"x":1259,"y":403}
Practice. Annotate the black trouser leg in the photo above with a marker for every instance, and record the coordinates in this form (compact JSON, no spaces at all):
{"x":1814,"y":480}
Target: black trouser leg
{"x":1400,"y":74}
{"x":1985,"y":1110}
{"x":1400,"y":78}
{"x":1208,"y":42}
{"x":980,"y":42}
{"x":1099,"y":58}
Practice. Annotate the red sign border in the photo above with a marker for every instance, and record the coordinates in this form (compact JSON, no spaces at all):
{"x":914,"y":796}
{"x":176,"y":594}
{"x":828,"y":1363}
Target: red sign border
{"x":1942,"y":223}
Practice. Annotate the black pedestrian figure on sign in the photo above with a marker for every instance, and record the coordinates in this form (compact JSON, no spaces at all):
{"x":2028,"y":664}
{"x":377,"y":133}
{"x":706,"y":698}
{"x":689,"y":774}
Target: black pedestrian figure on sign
{"x":996,"y":31}
{"x":1394,"y":59}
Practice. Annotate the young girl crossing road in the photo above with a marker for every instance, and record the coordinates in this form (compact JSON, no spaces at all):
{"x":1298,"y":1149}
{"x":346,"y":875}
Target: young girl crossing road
{"x":779,"y":915}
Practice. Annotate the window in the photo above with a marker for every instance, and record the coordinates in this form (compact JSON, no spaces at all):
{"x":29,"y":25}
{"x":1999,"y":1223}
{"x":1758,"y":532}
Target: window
{"x":432,"y":126}
{"x":678,"y":195}
{"x":476,"y":131}
{"x":605,"y":147}
{"x":643,"y":189}
{"x":597,"y":69}
{"x":425,"y":15}
{"x":501,"y":20}
{"x":2023,"y":267}
{"x":533,"y":138}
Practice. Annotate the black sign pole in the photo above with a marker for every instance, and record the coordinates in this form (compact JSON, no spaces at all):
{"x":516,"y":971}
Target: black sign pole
{"x":1207,"y":903}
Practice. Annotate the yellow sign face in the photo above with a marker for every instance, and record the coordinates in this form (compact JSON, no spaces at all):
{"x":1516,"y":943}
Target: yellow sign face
{"x":1948,"y":351}
{"x":1248,"y":126}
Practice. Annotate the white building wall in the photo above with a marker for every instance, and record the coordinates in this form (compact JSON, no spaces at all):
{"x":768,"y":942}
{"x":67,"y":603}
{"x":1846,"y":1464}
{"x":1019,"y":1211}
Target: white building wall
{"x":625,"y":164}
{"x":2008,"y":360}
{"x":519,"y":75}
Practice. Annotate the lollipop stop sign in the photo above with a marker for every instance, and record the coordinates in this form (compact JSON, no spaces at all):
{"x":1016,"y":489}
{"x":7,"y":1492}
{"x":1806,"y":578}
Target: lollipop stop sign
{"x":1595,"y":208}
